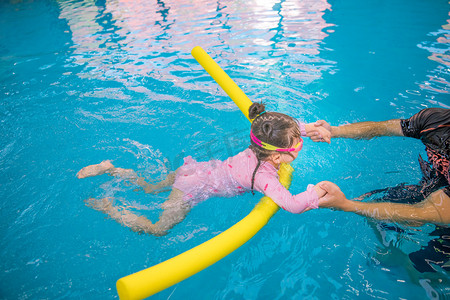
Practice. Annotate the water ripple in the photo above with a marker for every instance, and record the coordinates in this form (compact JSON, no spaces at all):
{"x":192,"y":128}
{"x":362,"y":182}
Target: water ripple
{"x":154,"y":39}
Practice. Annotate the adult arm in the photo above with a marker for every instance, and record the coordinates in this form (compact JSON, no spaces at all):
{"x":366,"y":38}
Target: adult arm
{"x":435,"y":209}
{"x":360,"y":130}
{"x":321,"y":131}
{"x":367,"y":130}
{"x":416,"y":126}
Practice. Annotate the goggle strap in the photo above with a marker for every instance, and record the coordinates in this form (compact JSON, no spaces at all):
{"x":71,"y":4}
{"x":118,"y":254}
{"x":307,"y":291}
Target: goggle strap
{"x":269,"y":146}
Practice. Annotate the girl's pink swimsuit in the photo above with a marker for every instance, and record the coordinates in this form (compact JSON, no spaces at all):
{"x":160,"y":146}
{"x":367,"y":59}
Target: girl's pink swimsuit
{"x":202,"y":180}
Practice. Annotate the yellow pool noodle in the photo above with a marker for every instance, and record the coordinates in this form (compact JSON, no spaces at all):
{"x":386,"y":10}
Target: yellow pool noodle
{"x":152,"y":280}
{"x":222,"y":78}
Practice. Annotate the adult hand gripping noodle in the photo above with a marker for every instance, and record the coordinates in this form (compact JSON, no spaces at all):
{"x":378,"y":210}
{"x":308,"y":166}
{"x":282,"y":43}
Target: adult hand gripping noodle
{"x":150,"y":281}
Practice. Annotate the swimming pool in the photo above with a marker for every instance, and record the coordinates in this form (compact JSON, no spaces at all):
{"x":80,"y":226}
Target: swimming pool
{"x":84,"y":81}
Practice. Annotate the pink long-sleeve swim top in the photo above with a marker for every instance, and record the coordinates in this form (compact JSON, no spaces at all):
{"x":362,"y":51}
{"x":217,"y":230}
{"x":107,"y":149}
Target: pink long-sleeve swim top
{"x":202,"y":180}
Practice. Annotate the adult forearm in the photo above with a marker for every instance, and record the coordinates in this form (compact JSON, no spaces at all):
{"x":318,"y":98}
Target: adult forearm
{"x":394,"y":211}
{"x":380,"y":211}
{"x":367,"y":130}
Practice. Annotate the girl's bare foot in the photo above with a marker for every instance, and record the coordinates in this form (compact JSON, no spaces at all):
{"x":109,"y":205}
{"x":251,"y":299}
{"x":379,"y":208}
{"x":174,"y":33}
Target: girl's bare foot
{"x":94,"y":170}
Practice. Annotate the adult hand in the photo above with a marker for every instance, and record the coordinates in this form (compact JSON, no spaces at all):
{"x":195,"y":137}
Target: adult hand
{"x":324,"y":124}
{"x":334,"y":196}
{"x":319,"y":131}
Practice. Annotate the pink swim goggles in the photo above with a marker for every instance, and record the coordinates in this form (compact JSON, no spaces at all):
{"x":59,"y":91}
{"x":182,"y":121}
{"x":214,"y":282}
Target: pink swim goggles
{"x":267,"y":146}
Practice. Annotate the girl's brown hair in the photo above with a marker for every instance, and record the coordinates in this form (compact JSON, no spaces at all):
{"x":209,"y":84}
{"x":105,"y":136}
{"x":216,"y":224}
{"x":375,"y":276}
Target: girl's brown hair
{"x":274,"y":128}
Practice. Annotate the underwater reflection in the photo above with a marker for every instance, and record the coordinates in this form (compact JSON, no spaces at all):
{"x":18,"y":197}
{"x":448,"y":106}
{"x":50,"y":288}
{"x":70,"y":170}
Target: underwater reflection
{"x":126,"y":40}
{"x":438,"y":80}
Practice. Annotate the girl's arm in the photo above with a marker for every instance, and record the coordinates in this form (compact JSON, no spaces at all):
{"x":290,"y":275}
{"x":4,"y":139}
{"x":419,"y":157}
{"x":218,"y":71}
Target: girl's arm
{"x":296,"y":204}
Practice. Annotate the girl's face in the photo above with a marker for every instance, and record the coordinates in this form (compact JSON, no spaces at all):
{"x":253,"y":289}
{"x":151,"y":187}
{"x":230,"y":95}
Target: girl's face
{"x":286,"y":157}
{"x":289,"y":157}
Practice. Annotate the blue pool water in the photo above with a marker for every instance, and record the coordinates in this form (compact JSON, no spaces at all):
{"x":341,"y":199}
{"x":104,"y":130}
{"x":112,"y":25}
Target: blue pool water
{"x":84,"y":81}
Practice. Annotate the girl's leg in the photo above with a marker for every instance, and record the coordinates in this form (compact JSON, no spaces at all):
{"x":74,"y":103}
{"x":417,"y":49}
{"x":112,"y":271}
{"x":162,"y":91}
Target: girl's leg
{"x":129,"y":174}
{"x":158,"y":187}
{"x":94,"y":170}
{"x":174,"y":212}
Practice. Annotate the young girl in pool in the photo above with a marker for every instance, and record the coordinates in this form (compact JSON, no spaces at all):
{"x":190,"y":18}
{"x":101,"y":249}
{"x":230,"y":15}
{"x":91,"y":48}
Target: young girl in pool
{"x":275,"y":138}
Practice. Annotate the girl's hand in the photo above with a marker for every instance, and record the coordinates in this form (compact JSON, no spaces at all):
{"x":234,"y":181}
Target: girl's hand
{"x":334,"y":197}
{"x":324,"y":124}
{"x":320,"y":191}
{"x":319,"y":131}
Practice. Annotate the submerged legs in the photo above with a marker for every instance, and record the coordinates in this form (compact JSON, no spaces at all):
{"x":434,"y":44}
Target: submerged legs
{"x":174,"y":208}
{"x":106,"y":167}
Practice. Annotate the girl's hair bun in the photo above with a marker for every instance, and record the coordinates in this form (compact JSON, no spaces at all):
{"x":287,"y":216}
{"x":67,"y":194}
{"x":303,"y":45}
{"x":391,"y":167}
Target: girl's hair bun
{"x":255,"y":109}
{"x":267,"y":129}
